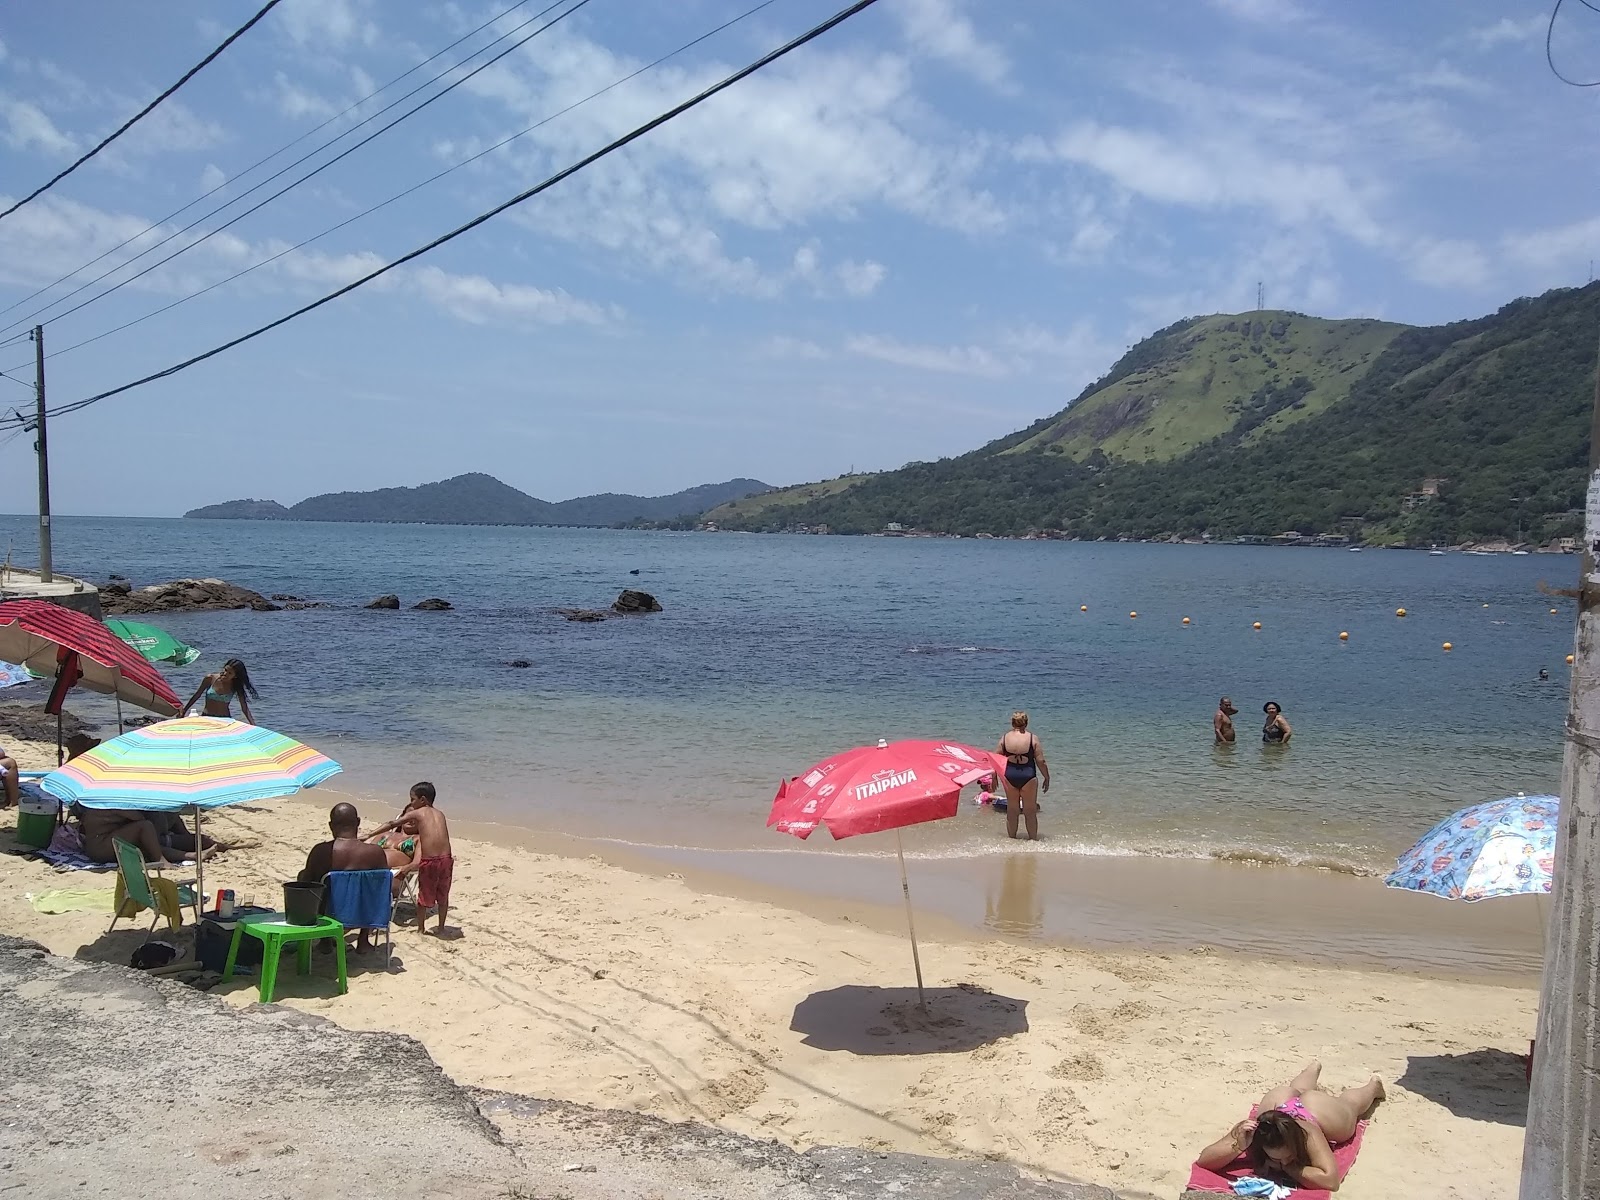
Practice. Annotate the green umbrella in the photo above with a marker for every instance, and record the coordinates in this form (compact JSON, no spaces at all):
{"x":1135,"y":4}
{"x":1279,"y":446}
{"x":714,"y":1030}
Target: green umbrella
{"x":155,"y":644}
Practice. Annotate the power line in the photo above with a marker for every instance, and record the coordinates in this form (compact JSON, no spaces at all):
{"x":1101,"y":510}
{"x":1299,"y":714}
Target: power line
{"x":308,"y":175}
{"x":238,"y":175}
{"x":416,"y":186}
{"x":146,"y":110}
{"x":611,"y":147}
{"x":1549,"y":46}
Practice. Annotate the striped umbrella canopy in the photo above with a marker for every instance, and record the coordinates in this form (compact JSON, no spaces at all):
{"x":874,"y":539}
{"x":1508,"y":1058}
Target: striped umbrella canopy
{"x":190,"y":762}
{"x":53,"y":641}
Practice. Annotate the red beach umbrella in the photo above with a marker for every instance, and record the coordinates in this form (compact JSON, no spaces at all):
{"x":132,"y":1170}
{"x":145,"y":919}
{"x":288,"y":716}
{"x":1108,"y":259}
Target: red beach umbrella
{"x":875,"y":788}
{"x":51,"y":640}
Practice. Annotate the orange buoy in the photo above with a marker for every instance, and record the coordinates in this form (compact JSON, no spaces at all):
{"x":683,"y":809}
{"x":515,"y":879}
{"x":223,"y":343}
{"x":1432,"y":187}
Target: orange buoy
{"x":1132,"y":615}
{"x":1553,"y":611}
{"x":1344,"y":637}
{"x":1448,"y":646}
{"x":1083,"y":608}
{"x":1186,"y":620}
{"x":1569,"y":660}
{"x":1399,"y":612}
{"x":1257,"y":625}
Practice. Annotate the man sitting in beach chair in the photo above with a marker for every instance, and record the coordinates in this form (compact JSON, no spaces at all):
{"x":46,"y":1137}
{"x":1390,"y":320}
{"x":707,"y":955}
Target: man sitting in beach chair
{"x":345,"y":851}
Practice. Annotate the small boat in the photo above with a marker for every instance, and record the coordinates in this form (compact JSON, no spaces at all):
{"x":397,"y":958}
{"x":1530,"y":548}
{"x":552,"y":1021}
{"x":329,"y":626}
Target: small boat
{"x":1355,"y":549}
{"x":1518,"y":553}
{"x":1435,"y":553}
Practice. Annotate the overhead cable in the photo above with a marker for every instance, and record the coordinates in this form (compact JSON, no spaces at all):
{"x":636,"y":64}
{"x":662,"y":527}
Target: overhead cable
{"x":145,"y":111}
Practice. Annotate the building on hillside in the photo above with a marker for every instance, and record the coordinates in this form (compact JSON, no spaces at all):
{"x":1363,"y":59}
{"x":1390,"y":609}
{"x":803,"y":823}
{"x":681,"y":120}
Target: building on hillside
{"x":894,"y":529}
{"x":1428,"y":493}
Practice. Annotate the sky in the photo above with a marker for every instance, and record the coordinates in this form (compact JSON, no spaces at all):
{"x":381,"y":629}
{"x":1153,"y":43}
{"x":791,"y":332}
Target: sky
{"x":930,"y":227}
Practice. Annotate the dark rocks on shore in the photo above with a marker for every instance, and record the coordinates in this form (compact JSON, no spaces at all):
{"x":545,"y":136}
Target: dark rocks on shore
{"x":635,"y":602}
{"x":183,"y":595}
{"x":433,"y":604}
{"x":32,"y":723}
{"x":385,"y":602}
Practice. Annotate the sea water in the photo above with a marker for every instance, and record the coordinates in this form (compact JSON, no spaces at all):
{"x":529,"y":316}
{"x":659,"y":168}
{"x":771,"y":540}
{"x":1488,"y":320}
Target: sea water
{"x":773,"y":652}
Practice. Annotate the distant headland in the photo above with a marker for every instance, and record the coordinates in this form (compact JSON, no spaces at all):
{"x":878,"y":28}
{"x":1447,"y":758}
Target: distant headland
{"x":477,"y":499}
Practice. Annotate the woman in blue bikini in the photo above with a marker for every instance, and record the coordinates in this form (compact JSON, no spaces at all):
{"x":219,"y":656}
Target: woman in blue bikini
{"x":1025,"y":770}
{"x":222,"y":688}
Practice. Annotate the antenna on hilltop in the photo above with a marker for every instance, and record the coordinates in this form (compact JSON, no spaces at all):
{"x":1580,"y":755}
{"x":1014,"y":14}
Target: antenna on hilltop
{"x":1261,"y":296}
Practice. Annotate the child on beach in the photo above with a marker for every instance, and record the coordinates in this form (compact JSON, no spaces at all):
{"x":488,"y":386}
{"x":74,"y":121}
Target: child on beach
{"x":432,"y":862}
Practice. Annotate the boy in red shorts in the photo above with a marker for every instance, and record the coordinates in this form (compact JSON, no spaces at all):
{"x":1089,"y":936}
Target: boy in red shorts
{"x":433,"y":862}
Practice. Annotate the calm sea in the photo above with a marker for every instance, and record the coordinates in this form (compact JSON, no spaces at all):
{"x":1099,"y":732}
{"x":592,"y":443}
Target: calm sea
{"x":774,"y":652}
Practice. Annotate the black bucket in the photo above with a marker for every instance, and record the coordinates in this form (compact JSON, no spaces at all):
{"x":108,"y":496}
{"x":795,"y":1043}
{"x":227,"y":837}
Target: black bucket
{"x":302,"y":903}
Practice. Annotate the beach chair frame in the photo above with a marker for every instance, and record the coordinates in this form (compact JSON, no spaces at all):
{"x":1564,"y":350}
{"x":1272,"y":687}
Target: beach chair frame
{"x":136,"y":883}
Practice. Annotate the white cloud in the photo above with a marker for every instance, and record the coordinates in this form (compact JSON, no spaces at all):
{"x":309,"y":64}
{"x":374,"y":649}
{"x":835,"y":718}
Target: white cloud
{"x":953,"y":360}
{"x":1262,"y":12}
{"x":4,"y":53}
{"x":1564,"y":250}
{"x":1448,"y":263}
{"x":326,"y":23}
{"x":295,"y":101}
{"x":171,"y":128}
{"x":1506,"y":30}
{"x":26,"y":126}
{"x":212,"y":177}
{"x":781,"y":346}
{"x":860,"y":278}
{"x":939,"y":29}
{"x":479,"y":300}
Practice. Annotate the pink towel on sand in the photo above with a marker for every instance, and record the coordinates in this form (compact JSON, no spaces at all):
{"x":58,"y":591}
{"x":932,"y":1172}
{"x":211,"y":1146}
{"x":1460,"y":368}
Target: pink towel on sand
{"x":1202,"y":1180}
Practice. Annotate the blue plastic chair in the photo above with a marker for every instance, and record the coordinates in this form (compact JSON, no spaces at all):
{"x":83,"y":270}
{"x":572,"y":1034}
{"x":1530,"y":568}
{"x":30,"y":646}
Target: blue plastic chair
{"x":363,"y":900}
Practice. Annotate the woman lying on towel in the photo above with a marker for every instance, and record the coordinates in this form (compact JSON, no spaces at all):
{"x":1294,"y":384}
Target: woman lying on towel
{"x":1294,"y":1130}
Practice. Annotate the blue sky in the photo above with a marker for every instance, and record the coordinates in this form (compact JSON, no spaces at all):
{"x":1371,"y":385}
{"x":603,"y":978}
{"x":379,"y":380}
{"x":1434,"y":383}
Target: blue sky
{"x":923,"y":231}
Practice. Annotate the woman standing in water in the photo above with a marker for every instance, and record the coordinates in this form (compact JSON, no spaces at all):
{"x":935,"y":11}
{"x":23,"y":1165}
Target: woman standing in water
{"x":1276,"y":731}
{"x":221,"y":688}
{"x":1025,"y":769}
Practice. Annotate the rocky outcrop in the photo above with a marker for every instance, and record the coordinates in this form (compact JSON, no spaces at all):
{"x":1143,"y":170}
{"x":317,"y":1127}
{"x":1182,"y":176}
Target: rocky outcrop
{"x":30,"y":722}
{"x":635,"y":602}
{"x":585,"y":615}
{"x":433,"y":604}
{"x":385,"y":602}
{"x":185,"y":595}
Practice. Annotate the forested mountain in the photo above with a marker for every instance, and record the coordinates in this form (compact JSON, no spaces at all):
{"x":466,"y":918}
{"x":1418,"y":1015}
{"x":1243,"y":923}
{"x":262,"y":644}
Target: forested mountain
{"x":1493,"y":414}
{"x":478,"y":499}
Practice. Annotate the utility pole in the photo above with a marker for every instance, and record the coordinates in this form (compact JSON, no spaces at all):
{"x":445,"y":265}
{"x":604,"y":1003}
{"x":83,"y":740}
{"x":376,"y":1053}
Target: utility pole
{"x":46,"y":567}
{"x":1561,"y":1148}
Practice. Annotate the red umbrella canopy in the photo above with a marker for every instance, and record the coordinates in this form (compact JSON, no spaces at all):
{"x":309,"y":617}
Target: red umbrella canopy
{"x":873,"y":788}
{"x":46,"y":637}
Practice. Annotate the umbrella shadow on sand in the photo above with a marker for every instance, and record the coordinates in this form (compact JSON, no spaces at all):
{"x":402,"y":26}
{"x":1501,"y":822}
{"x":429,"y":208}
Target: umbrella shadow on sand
{"x":879,"y":1020}
{"x":1482,"y":1085}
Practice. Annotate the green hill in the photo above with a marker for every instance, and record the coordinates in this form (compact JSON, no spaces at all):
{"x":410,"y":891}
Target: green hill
{"x":1498,"y":408}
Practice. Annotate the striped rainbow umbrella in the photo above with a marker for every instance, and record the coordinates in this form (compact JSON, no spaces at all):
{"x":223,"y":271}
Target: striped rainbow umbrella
{"x":194,"y":763}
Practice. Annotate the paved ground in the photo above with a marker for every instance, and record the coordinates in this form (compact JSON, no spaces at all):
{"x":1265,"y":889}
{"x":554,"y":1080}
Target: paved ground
{"x":114,"y":1083}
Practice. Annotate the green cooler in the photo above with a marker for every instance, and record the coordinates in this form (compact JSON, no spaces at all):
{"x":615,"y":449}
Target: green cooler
{"x":36,"y":820}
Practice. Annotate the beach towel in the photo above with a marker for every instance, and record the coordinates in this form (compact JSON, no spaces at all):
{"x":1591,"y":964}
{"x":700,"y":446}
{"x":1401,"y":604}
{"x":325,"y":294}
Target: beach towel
{"x":66,"y":900}
{"x":1344,"y":1154}
{"x":167,"y":894}
{"x":68,"y":857}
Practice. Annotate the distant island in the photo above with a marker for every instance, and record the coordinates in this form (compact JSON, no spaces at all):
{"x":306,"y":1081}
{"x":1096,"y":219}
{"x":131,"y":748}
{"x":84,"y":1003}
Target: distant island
{"x":477,"y":499}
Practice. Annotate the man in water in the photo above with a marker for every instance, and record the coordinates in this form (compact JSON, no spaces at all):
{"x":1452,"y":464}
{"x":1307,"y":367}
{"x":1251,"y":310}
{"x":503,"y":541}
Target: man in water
{"x":1222,"y":722}
{"x":344,"y":852}
{"x":434,"y":864}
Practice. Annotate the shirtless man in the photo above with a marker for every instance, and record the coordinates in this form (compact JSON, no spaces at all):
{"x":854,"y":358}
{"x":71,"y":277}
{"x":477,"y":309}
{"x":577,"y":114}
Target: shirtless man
{"x":434,"y":865}
{"x":1222,"y":722}
{"x":345,"y":852}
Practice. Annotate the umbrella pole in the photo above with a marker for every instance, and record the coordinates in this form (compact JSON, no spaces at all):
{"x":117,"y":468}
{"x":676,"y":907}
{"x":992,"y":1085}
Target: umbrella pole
{"x":199,"y":866}
{"x":905,"y":890}
{"x":121,"y":728}
{"x":60,"y":756}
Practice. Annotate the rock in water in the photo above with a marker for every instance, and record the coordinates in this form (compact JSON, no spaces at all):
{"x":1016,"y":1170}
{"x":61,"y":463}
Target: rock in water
{"x":182,"y":595}
{"x":636,"y":602}
{"x":433,"y":604}
{"x":519,"y":663}
{"x":385,"y":602}
{"x":586,"y":615}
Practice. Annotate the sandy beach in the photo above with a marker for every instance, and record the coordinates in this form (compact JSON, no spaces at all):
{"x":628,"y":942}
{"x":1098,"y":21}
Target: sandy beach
{"x":580,"y":978}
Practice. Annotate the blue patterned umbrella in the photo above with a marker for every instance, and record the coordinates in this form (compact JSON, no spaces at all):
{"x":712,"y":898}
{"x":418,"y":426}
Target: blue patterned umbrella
{"x":1502,"y":848}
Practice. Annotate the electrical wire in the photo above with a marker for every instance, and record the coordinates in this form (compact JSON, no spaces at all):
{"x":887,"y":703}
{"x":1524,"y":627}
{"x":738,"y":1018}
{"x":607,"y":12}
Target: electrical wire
{"x":146,"y":110}
{"x":35,"y":316}
{"x":1549,"y":47}
{"x":238,"y":175}
{"x":414,"y":187}
{"x":611,"y":147}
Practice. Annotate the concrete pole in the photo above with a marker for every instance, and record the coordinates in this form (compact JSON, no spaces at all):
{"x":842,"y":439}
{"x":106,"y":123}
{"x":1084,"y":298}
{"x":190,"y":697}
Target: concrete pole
{"x":46,"y":565}
{"x":1561,"y":1149}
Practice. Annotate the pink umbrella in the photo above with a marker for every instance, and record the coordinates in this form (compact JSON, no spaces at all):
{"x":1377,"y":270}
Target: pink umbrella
{"x":874,"y":788}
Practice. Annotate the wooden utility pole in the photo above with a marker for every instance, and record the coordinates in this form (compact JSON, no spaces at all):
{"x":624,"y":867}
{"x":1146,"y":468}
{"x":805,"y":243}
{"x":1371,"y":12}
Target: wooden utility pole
{"x":46,"y":566}
{"x":1561,"y":1149}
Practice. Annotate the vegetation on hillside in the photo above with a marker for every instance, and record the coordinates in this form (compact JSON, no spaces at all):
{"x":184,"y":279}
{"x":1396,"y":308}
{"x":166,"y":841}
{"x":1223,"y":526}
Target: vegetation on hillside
{"x":1497,"y":408}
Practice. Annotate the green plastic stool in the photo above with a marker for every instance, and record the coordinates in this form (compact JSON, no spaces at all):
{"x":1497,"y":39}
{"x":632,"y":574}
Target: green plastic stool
{"x":275,"y":933}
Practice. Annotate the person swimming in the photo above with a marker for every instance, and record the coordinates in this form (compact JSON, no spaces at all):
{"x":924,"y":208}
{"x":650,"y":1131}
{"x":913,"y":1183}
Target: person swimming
{"x":1222,"y":722}
{"x":1276,"y":732}
{"x":220,"y":690}
{"x":1025,"y":770}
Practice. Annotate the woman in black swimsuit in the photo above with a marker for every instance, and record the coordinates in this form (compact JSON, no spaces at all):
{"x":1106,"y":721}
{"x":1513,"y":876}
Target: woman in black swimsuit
{"x":1276,"y":731}
{"x":1025,"y":770}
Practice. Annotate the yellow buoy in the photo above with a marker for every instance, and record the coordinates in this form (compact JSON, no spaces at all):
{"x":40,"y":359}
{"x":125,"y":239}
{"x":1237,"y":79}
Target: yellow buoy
{"x":1344,"y":637}
{"x":1133,"y":614}
{"x":1569,"y":660}
{"x":1399,"y":612}
{"x":1186,"y":620}
{"x":1257,"y":625}
{"x":1083,"y":608}
{"x":1448,"y":646}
